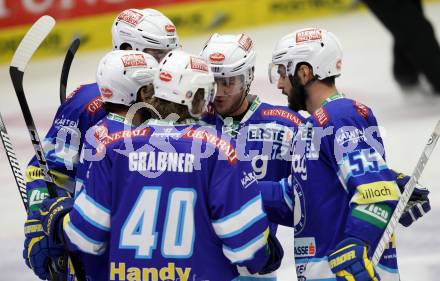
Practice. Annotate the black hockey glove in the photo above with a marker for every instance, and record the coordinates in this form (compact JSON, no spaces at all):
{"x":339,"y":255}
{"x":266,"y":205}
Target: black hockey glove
{"x":275,"y":256}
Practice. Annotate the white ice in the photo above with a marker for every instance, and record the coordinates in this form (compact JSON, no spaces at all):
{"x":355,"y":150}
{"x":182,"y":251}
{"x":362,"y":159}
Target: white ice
{"x":407,"y":121}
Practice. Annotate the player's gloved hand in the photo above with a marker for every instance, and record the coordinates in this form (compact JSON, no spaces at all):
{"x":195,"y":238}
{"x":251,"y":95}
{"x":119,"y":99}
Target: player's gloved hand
{"x":418,"y":204}
{"x":52,"y":211}
{"x":349,"y":261}
{"x":39,"y":250}
{"x":276,"y":255}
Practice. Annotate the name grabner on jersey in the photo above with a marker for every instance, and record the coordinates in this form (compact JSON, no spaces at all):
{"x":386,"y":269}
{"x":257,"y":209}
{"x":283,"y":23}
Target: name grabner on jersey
{"x":160,"y":161}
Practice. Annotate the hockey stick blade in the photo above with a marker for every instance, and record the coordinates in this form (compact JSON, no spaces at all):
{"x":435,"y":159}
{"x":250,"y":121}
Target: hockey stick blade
{"x":13,"y":162}
{"x":66,"y":67}
{"x":31,"y":41}
{"x":404,"y":198}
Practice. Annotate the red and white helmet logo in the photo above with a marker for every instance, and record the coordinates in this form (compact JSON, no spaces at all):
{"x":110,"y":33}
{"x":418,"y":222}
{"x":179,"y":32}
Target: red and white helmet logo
{"x":314,"y":34}
{"x":165,"y":76}
{"x":339,"y":64}
{"x":170,"y":28}
{"x":133,"y":60}
{"x":131,"y":17}
{"x":216,"y":57}
{"x":106,"y":93}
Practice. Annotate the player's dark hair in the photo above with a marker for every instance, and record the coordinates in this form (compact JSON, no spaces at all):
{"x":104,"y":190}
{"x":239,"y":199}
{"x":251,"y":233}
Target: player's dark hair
{"x":114,"y":107}
{"x":329,"y":81}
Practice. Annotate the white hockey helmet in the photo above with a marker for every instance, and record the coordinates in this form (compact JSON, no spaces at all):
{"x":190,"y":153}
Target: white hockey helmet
{"x":121,"y":74}
{"x":230,"y":55}
{"x":143,"y":29}
{"x":317,"y":47}
{"x":180,"y":75}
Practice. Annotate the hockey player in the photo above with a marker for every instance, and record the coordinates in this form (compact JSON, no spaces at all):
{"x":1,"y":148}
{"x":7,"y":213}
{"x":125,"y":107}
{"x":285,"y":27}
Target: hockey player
{"x":144,"y":30}
{"x":348,"y":194}
{"x":194,"y":218}
{"x":137,"y":70}
{"x":263,"y":132}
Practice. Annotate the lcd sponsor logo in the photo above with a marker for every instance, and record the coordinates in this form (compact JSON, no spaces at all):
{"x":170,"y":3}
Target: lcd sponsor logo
{"x":305,"y":247}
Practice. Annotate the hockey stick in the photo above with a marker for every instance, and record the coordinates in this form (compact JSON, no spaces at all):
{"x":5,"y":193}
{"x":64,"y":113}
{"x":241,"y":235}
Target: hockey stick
{"x":13,"y":162}
{"x":404,"y":198}
{"x":66,"y":67}
{"x":25,"y":50}
{"x":20,"y":180}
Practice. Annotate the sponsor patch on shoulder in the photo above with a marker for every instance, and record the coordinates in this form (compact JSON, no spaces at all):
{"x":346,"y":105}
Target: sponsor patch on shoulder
{"x":73,"y":93}
{"x":282,"y":114}
{"x":125,"y":134}
{"x":131,"y":17}
{"x":321,"y":116}
{"x":94,"y":105}
{"x":374,"y":192}
{"x":361,"y":109}
{"x":222,"y":145}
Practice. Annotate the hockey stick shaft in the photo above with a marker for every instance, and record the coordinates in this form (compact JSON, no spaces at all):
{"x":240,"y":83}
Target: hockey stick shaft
{"x":13,"y":162}
{"x":27,"y":47}
{"x":404,"y":198}
{"x":66,"y":67}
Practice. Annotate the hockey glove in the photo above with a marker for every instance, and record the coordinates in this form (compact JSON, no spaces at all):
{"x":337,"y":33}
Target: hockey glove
{"x":39,"y":250}
{"x":52,"y":211}
{"x":418,"y":204}
{"x":275,"y":256}
{"x":350,"y":262}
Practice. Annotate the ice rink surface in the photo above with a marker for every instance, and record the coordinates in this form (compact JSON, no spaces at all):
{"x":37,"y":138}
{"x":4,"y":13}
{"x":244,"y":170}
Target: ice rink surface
{"x":407,"y":121}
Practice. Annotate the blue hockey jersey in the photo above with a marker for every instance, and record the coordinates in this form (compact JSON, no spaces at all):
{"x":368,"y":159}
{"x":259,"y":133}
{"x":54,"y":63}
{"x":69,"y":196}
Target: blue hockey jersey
{"x":342,"y":188}
{"x":159,"y":203}
{"x":264,"y":137}
{"x":81,"y":110}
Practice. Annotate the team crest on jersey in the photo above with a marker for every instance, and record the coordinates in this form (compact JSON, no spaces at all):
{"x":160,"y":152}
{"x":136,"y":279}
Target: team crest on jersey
{"x":130,"y":17}
{"x":198,"y":64}
{"x":299,"y":211}
{"x":313,"y":34}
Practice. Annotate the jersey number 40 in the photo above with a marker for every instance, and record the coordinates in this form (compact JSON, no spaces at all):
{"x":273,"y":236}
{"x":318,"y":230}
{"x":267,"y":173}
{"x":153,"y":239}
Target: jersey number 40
{"x":139,"y":229}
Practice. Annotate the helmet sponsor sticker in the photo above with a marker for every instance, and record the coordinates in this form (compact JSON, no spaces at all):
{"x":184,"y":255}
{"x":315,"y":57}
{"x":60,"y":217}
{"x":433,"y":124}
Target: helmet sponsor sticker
{"x":313,"y":34}
{"x":170,"y":28}
{"x":245,"y":42}
{"x":198,"y":64}
{"x":216,"y":57}
{"x":106,"y":93}
{"x":134,"y":60}
{"x":131,"y":17}
{"x":165,"y":76}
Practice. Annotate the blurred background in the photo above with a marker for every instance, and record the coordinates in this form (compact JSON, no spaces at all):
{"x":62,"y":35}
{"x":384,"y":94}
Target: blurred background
{"x":407,"y":115}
